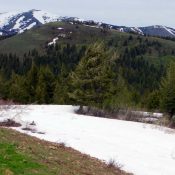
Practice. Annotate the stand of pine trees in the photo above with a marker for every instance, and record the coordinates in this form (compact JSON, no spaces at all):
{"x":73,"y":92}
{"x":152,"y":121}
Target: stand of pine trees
{"x":97,"y":75}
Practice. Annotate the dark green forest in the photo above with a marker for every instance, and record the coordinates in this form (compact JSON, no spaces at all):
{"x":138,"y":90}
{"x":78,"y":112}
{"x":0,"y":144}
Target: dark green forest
{"x":119,"y":72}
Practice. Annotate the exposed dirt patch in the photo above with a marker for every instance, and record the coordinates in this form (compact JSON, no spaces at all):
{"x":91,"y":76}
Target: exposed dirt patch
{"x":9,"y":123}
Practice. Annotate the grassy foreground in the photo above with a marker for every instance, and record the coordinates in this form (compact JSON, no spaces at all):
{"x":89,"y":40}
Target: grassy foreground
{"x":24,"y":155}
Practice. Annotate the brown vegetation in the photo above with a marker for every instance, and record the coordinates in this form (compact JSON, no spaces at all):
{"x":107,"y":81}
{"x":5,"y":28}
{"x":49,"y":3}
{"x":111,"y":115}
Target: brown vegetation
{"x":9,"y":123}
{"x":57,"y":156}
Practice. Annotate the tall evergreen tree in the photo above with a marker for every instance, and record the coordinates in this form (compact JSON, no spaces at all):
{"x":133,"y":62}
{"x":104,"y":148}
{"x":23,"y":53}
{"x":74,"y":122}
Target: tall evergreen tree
{"x":62,"y":87}
{"x":4,"y":86}
{"x":91,"y":79}
{"x":17,"y":91}
{"x":31,"y":82}
{"x":168,"y":91}
{"x":45,"y":86}
{"x":119,"y":95}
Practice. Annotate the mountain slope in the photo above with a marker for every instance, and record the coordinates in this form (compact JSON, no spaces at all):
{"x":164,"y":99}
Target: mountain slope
{"x":15,"y":23}
{"x":157,"y":30}
{"x":136,"y":55}
{"x":65,"y":32}
{"x":38,"y":38}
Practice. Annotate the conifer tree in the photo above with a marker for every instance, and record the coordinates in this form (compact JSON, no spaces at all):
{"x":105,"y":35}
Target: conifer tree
{"x":45,"y":86}
{"x":168,"y":91}
{"x":4,"y":86}
{"x":92,"y":77}
{"x":31,"y":82}
{"x":17,"y":91}
{"x":119,"y":95}
{"x":61,"y":87}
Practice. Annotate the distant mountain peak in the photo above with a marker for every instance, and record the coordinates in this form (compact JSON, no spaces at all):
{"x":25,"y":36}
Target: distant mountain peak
{"x":17,"y":22}
{"x":12,"y":23}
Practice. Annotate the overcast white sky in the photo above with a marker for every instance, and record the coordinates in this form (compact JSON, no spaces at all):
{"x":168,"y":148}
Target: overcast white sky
{"x":119,"y":12}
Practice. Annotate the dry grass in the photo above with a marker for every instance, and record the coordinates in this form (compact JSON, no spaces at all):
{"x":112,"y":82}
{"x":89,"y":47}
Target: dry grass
{"x":56,"y":159}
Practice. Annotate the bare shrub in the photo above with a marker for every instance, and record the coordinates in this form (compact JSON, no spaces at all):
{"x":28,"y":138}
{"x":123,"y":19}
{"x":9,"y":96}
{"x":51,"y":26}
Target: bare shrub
{"x":62,"y":145}
{"x":113,"y":164}
{"x":41,"y":132}
{"x":121,"y":114}
{"x":32,"y":123}
{"x":29,"y":129}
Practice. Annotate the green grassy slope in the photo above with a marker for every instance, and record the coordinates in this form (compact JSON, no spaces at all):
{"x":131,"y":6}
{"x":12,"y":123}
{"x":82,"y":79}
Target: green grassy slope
{"x":24,"y":155}
{"x":37,"y":38}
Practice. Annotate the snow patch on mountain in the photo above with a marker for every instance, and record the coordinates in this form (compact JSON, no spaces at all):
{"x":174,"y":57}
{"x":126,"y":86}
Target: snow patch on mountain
{"x":121,"y":30}
{"x":97,"y":27}
{"x":6,"y":17}
{"x":53,"y":42}
{"x":44,"y":17}
{"x":170,"y":31}
{"x":31,"y":26}
{"x":137,"y":30}
{"x":18,"y":22}
{"x":60,"y":28}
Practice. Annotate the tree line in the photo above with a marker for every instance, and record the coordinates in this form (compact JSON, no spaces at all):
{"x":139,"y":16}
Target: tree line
{"x":93,"y":75}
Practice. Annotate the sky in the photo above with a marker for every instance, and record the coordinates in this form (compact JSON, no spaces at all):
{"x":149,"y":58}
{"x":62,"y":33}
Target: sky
{"x":119,"y":12}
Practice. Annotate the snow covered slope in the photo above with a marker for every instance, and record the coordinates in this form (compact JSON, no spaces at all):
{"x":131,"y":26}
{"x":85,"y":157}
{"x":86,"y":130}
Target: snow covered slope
{"x":142,"y":149}
{"x":157,"y":30}
{"x":18,"y":22}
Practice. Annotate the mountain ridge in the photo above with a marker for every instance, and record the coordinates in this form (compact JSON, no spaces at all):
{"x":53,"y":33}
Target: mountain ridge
{"x":12,"y":23}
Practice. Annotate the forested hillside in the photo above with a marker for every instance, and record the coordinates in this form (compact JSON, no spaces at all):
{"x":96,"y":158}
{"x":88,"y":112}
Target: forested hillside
{"x":84,"y":66}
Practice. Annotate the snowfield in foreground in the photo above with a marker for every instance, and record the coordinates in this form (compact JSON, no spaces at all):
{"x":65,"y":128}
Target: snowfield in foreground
{"x":142,"y":149}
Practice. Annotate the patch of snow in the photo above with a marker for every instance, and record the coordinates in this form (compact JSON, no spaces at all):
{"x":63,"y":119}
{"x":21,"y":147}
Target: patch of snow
{"x":133,"y":29}
{"x":169,"y":30}
{"x":137,"y":30}
{"x":44,"y":17}
{"x":92,"y":26}
{"x":19,"y":22}
{"x":5,"y":18}
{"x":159,"y":115}
{"x":27,"y":28}
{"x":60,"y":28}
{"x":146,"y":114}
{"x":20,"y":31}
{"x":53,"y":42}
{"x":78,"y":19}
{"x":62,"y":35}
{"x":121,"y":30}
{"x":141,"y":148}
{"x":31,"y":26}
